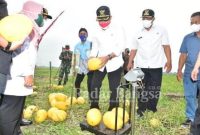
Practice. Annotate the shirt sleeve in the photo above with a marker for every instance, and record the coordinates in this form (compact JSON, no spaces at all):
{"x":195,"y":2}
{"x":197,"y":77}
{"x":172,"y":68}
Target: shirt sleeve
{"x":133,"y":43}
{"x":30,"y":61}
{"x":61,"y":56}
{"x":165,"y":38}
{"x":76,"y":51}
{"x":183,"y":48}
{"x":95,"y":48}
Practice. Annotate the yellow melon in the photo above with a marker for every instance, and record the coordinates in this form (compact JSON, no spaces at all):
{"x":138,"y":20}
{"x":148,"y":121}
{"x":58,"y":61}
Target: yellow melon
{"x":80,"y":100}
{"x":50,"y":111}
{"x":52,"y":96}
{"x":155,"y":122}
{"x":74,"y":101}
{"x":60,"y":97}
{"x":40,"y":116}
{"x":109,"y":120}
{"x":120,"y":114}
{"x":93,"y":117}
{"x":61,"y":105}
{"x":27,"y":114}
{"x":94,"y":64}
{"x":15,"y":27}
{"x":56,"y":114}
{"x":33,"y":108}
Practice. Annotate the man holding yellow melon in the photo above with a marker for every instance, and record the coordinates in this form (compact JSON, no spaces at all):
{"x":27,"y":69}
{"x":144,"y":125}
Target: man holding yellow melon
{"x":107,"y":45}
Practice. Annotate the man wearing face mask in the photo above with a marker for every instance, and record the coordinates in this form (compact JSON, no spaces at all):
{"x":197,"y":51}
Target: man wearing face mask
{"x":81,"y":52}
{"x":21,"y":78}
{"x":189,"y":51}
{"x":108,"y":44}
{"x":151,"y":48}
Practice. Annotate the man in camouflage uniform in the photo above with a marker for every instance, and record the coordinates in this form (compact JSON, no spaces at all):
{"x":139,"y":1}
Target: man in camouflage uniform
{"x":66,"y":58}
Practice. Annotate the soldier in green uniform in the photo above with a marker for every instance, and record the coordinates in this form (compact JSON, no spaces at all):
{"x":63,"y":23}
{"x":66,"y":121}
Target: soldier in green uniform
{"x":66,"y":60}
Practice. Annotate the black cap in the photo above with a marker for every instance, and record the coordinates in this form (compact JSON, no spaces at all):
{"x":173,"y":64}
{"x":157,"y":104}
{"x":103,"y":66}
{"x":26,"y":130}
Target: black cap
{"x":45,"y":13}
{"x":103,"y":13}
{"x":67,"y":46}
{"x":148,"y":12}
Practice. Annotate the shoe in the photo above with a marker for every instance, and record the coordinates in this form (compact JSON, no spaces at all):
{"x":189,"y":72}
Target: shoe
{"x":25,"y":122}
{"x":186,"y":124}
{"x":140,"y":113}
{"x":64,"y":83}
{"x":59,"y":83}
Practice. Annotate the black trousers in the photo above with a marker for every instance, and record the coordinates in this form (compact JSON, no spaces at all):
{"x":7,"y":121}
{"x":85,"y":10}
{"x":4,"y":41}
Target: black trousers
{"x":11,"y":109}
{"x":195,"y":126}
{"x":3,"y":80}
{"x":113,"y":80}
{"x":79,"y":79}
{"x":149,"y":96}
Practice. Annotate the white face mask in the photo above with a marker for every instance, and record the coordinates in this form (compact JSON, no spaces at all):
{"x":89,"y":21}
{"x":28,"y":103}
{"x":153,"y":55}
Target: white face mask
{"x":195,"y":27}
{"x":147,"y":23}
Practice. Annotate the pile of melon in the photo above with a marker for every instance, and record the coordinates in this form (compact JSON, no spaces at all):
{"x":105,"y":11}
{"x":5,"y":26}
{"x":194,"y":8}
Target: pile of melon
{"x":59,"y":103}
{"x":62,"y":101}
{"x":94,"y":117}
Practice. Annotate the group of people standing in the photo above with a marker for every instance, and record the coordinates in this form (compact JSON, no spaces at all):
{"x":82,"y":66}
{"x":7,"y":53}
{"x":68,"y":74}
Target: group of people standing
{"x":150,"y":51}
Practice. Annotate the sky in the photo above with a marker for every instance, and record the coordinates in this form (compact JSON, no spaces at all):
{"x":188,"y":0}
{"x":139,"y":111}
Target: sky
{"x":174,"y":15}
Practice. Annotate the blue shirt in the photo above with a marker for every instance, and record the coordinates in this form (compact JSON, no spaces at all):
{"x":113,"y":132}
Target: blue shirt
{"x":190,"y":46}
{"x":83,"y":49}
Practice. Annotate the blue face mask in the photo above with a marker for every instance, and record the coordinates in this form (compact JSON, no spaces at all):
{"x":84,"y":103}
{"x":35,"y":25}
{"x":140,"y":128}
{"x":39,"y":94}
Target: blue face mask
{"x":83,"y":38}
{"x":40,"y":20}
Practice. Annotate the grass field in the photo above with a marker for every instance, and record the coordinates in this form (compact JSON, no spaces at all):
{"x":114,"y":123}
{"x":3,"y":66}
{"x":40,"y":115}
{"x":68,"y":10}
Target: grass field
{"x":170,"y":109}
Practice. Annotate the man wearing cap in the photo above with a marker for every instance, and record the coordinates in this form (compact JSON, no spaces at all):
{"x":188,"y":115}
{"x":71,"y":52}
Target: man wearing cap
{"x":66,"y":60}
{"x":81,"y":54}
{"x":189,"y":51}
{"x":151,"y":46}
{"x":21,"y":77}
{"x":108,"y":44}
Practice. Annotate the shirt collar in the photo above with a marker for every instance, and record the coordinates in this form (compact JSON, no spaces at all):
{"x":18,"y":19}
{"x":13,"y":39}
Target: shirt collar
{"x":193,"y":34}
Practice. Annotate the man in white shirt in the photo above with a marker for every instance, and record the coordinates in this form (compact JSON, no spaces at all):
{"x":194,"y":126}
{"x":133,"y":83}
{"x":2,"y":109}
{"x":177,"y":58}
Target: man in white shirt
{"x":151,"y":48}
{"x":108,"y":45}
